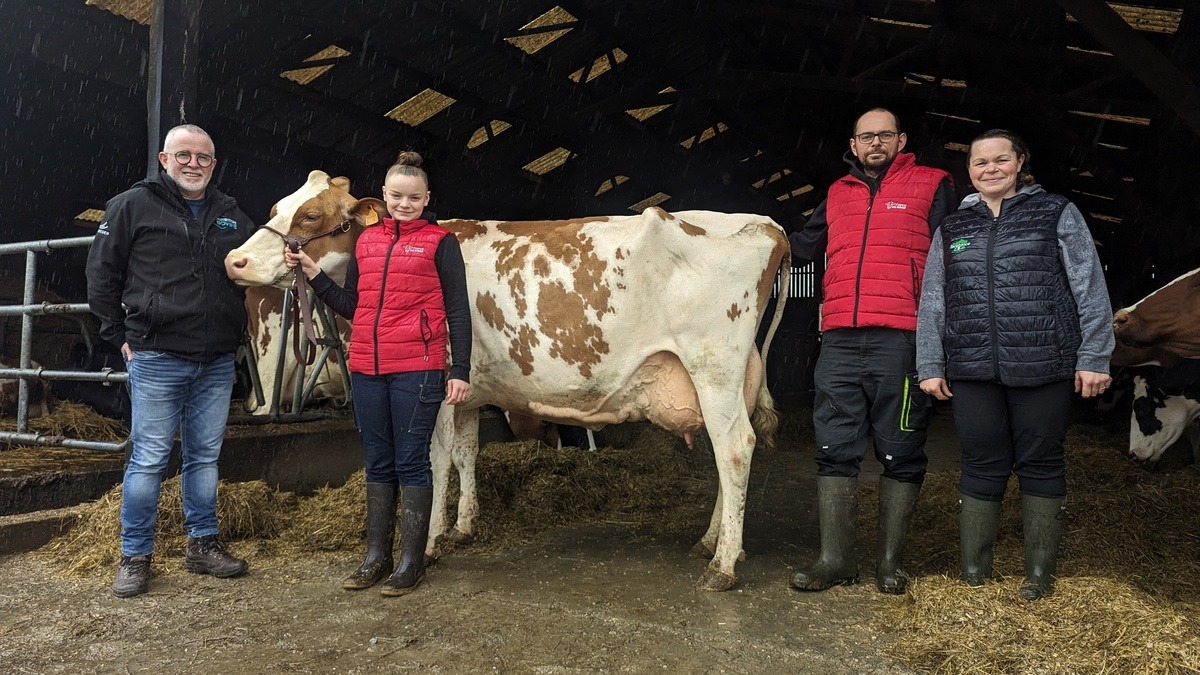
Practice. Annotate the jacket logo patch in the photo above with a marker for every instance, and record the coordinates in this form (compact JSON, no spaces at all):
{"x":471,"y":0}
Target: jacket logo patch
{"x":227,"y":223}
{"x":896,"y":206}
{"x":103,"y":229}
{"x":409,"y":248}
{"x":959,"y":245}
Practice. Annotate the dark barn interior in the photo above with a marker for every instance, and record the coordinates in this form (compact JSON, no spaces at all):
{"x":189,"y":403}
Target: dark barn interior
{"x":532,"y":110}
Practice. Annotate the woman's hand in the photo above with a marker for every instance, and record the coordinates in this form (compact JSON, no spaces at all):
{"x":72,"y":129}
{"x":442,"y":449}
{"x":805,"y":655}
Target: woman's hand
{"x":1091,"y":384}
{"x":456,"y":391}
{"x":310,"y":268}
{"x":937,"y":387}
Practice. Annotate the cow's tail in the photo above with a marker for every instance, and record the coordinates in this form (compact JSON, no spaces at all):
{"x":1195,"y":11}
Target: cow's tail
{"x":765,"y":419}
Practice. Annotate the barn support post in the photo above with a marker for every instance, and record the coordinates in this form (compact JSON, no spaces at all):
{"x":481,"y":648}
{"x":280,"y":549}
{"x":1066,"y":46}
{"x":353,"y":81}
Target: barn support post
{"x":172,"y":73}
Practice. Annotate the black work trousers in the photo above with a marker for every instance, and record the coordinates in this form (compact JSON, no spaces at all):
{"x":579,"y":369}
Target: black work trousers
{"x":1004,"y":430}
{"x":866,"y":383}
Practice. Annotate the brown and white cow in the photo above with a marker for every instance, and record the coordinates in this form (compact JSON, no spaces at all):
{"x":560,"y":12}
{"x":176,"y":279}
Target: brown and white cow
{"x":603,"y":320}
{"x":1165,"y":325}
{"x":10,"y":389}
{"x":324,"y":213}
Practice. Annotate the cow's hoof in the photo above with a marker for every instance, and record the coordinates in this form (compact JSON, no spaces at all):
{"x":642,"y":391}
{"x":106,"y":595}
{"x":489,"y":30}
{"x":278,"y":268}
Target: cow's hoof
{"x":702,"y":549}
{"x":715,"y":580}
{"x":458,"y":537}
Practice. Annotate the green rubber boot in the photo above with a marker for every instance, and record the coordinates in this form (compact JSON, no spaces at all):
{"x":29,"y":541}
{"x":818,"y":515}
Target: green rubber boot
{"x":837,"y":505}
{"x":896,"y":502}
{"x":1043,"y":517}
{"x":977,"y":523}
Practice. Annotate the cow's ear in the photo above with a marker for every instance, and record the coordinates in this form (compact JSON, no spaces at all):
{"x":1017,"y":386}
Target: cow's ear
{"x":341,"y":183}
{"x":368,"y":211}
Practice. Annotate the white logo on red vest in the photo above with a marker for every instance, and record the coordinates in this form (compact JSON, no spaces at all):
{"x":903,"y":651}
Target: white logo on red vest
{"x":409,"y":248}
{"x":896,"y":205}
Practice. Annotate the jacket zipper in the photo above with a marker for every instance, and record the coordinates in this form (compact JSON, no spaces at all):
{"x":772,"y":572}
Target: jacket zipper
{"x":862,"y":252}
{"x":387,"y":262}
{"x":991,"y":272}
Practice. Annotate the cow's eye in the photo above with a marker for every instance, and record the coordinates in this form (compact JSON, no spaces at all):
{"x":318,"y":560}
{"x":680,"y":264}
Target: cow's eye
{"x":312,"y":216}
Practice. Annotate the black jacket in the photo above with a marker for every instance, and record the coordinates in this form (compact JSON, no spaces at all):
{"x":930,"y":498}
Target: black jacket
{"x":156,"y":273}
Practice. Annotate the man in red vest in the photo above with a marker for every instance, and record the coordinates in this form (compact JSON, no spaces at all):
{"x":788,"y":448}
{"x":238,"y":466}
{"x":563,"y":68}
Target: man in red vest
{"x":874,"y":228}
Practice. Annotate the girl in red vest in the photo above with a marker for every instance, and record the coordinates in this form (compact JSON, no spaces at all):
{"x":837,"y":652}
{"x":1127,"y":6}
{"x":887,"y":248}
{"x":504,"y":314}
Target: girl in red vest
{"x":406,"y":294}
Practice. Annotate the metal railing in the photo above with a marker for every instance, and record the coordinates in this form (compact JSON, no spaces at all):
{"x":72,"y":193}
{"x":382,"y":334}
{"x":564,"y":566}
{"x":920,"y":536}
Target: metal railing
{"x":25,"y":372}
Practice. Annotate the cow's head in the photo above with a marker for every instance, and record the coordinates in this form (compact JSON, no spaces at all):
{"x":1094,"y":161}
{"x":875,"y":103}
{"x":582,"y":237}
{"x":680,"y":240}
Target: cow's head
{"x":1159,"y":419}
{"x":323,"y":215}
{"x":1168,"y":319}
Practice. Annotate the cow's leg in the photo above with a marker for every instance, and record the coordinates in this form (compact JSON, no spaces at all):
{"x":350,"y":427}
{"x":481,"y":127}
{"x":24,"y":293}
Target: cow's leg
{"x":733,"y":446}
{"x":455,"y":444}
{"x":707,"y":546}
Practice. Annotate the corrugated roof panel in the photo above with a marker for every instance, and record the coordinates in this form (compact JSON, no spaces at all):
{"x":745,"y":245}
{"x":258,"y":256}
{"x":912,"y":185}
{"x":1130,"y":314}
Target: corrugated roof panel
{"x":420,"y":107}
{"x":705,"y":135}
{"x":532,"y":42}
{"x":610,"y":184}
{"x":306,"y":75}
{"x":653,"y":200}
{"x":481,"y":134}
{"x":140,"y":11}
{"x":643,"y":114}
{"x":549,"y":161}
{"x":1147,"y":19}
{"x":601,"y":65}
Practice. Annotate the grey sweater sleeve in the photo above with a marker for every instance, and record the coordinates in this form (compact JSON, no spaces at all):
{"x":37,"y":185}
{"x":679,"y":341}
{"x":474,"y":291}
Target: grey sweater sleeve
{"x":1086,"y":277}
{"x":931,"y":314}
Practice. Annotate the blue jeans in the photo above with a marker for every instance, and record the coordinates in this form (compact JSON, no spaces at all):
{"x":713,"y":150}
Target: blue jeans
{"x":395,"y":415}
{"x":168,"y":394}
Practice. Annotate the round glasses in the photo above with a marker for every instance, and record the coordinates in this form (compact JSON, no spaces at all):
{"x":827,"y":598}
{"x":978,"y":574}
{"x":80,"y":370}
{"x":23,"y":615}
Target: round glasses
{"x":868,"y":136}
{"x":184,"y":157}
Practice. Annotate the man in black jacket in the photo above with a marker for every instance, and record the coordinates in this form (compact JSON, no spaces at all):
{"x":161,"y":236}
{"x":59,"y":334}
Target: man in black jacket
{"x":157,"y":282}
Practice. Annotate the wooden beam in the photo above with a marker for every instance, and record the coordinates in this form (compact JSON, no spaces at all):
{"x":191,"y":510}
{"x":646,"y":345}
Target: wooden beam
{"x":1171,"y":85}
{"x":173,"y":73}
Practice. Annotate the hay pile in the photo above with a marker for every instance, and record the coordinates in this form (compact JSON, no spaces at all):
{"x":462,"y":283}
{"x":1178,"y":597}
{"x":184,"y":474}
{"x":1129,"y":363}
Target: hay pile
{"x":524,"y":488}
{"x":1128,"y":599}
{"x":247,"y":511}
{"x":73,"y":420}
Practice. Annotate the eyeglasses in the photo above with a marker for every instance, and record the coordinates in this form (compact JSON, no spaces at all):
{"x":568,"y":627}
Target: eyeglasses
{"x":885,"y":136}
{"x":185,"y":157}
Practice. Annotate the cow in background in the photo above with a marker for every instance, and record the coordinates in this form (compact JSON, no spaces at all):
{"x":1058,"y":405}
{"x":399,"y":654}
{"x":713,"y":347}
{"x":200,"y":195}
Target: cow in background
{"x":323,"y":213}
{"x":1166,"y":405}
{"x":1164,"y":327}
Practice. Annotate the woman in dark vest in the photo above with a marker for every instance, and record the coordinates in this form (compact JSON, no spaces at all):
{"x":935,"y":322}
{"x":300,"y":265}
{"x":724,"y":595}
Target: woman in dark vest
{"x":404,"y":288}
{"x":1014,"y":319}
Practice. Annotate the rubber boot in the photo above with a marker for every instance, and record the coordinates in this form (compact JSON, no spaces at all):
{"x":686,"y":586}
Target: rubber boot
{"x":837,"y":506}
{"x":977,"y":523}
{"x":381,"y":533}
{"x":416,"y":503}
{"x":896,"y":501}
{"x":1043,"y":517}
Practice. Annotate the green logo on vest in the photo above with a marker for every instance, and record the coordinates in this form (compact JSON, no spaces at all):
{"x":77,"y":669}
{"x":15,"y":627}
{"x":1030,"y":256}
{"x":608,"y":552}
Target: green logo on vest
{"x":959,"y":245}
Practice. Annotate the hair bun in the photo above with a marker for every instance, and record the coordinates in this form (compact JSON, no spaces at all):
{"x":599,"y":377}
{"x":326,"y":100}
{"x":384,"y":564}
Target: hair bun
{"x":408,"y":158}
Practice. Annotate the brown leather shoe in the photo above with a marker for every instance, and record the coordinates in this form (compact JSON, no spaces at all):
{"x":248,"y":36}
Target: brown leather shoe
{"x":207,"y":555}
{"x":133,"y":576}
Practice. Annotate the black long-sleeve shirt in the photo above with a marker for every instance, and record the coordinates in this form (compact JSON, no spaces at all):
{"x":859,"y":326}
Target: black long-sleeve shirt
{"x":452,"y":274}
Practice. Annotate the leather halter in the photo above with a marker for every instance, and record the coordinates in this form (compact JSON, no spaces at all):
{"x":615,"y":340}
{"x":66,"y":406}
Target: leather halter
{"x":301,"y":308}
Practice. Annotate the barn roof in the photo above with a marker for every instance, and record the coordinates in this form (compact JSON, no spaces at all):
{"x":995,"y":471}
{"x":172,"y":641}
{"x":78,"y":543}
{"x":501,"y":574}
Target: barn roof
{"x":557,"y":108}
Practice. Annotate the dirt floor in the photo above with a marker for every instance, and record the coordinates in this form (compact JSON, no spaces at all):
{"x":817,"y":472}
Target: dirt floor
{"x":609,"y":596}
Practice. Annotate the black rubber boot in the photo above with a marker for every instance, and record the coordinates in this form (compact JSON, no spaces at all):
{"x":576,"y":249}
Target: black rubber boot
{"x":977,"y":523}
{"x":1043,"y":517}
{"x":416,"y":503}
{"x":381,"y":534}
{"x":896,"y":502}
{"x":837,"y":505}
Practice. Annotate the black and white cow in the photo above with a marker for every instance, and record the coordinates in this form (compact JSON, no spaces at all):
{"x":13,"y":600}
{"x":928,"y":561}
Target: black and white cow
{"x":1166,"y":405}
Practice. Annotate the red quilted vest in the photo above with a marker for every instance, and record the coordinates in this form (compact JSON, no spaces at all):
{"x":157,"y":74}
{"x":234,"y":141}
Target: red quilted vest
{"x":877,"y":247}
{"x":400,"y":323}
